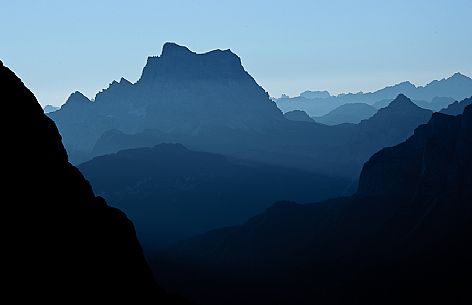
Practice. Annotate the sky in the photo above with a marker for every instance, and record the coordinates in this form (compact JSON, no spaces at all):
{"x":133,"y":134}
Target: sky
{"x":58,"y":47}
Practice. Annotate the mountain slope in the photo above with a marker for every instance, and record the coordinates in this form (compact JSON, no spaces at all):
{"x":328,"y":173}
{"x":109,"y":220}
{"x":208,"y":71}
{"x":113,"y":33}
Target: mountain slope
{"x":347,"y":113}
{"x":403,"y":238}
{"x":457,"y":107}
{"x":65,"y":240}
{"x":171,"y":192}
{"x":298,"y":115}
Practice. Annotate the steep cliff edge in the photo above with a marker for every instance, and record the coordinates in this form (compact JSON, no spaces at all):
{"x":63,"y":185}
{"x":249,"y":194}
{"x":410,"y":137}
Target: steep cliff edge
{"x":59,"y":237}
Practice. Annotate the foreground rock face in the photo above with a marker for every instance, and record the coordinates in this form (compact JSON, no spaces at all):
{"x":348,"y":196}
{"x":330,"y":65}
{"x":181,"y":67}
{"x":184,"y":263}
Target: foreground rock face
{"x":59,"y":236}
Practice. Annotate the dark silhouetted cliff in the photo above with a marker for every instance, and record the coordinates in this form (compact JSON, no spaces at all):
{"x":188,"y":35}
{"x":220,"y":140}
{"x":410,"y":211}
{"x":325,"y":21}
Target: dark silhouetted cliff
{"x":60,"y":239}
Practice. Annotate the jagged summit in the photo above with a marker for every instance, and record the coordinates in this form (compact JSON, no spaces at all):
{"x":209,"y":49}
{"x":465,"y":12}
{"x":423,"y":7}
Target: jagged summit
{"x":179,"y":61}
{"x":173,"y":49}
{"x":76,"y":98}
{"x":179,"y":91}
{"x":457,"y":107}
{"x":459,"y":75}
{"x":405,"y":84}
{"x":400,"y":114}
{"x":402,"y":101}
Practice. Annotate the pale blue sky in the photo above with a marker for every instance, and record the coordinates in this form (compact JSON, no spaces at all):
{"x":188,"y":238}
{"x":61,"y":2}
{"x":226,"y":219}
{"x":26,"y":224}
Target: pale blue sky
{"x":58,"y":47}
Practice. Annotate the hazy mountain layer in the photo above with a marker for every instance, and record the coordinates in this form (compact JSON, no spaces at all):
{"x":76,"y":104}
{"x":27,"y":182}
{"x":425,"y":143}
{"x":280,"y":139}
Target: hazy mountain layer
{"x":403,"y":238}
{"x":172,"y":193}
{"x":298,"y":115}
{"x":179,"y":91}
{"x":328,"y":150}
{"x":457,"y":107}
{"x":434,"y":96}
{"x":347,"y":113}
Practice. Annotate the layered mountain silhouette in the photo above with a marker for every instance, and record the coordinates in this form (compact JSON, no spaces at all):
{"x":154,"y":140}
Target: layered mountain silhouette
{"x":65,"y":240}
{"x":171,"y":192}
{"x":179,"y":92}
{"x":347,"y":113}
{"x":336,"y":151}
{"x":434,"y":96}
{"x":315,"y":94}
{"x":208,"y":102}
{"x":403,"y":238}
{"x":436,"y":104}
{"x":457,"y":107}
{"x":298,"y":115}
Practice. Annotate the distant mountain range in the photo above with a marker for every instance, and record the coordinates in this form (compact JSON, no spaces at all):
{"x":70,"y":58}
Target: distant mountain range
{"x":50,"y":108}
{"x":433,"y":96}
{"x":171,"y":192}
{"x":403,"y":238}
{"x":208,"y":102}
{"x":336,"y":151}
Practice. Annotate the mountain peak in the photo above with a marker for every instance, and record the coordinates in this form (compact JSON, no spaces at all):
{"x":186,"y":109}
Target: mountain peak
{"x":171,"y":48}
{"x":401,"y":101}
{"x":402,"y":112}
{"x":406,"y":84}
{"x":76,"y":99}
{"x":178,"y":62}
{"x":459,"y":75}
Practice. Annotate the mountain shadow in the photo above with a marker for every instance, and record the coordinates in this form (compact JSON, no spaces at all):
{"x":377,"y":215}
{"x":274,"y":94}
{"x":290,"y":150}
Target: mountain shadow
{"x":403,"y":238}
{"x":64,"y":243}
{"x":172,"y":193}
